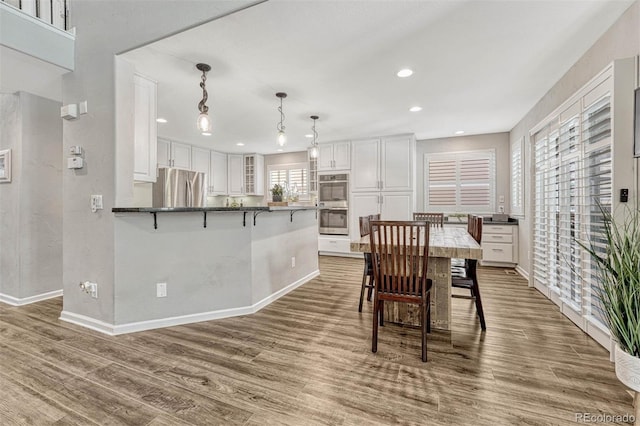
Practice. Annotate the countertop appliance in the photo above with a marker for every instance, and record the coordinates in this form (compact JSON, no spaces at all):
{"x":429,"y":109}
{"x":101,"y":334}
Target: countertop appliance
{"x":179,"y":188}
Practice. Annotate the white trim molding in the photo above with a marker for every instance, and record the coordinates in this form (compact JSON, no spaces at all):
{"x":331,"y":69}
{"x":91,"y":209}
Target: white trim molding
{"x":114,"y":330}
{"x":522,"y":272}
{"x":14,"y":301}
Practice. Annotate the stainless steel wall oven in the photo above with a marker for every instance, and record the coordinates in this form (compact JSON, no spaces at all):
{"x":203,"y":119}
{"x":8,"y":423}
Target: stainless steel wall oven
{"x":333,"y":201}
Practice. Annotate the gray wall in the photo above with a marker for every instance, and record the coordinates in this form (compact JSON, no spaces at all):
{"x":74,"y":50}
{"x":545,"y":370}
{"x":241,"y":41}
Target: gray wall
{"x":497,"y":141}
{"x":89,"y":237}
{"x":622,"y":40}
{"x":31,"y":205}
{"x":223,"y":266}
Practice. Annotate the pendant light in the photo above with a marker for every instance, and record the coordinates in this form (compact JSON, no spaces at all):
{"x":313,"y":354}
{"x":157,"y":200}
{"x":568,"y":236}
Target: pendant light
{"x":204,"y":122}
{"x":313,"y":151}
{"x":282,"y":137}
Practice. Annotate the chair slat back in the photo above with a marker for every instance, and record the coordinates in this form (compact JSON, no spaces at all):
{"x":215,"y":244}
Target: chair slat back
{"x":434,"y":219}
{"x":478,"y":230}
{"x":364,"y":226}
{"x":401,"y":249}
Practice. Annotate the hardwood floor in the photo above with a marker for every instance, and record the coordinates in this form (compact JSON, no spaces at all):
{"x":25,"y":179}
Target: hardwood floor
{"x":306,"y":360}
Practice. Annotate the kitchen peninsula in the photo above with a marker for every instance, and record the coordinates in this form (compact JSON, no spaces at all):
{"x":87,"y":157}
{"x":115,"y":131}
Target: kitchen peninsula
{"x":238,"y":261}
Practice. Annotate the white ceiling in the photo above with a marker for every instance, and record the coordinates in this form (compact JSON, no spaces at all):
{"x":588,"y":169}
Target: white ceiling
{"x":479,"y":66}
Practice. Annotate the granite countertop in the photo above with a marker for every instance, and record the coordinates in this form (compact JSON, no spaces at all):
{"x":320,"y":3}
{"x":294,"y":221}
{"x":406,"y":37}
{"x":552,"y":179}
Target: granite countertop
{"x":208,"y":209}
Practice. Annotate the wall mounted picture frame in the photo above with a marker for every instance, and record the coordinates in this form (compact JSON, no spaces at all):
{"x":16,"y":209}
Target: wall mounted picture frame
{"x":5,"y":166}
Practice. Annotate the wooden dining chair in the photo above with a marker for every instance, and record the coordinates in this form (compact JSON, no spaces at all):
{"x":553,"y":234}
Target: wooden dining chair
{"x":434,"y":219}
{"x":367,"y":274}
{"x":469,"y":278}
{"x":400,"y":272}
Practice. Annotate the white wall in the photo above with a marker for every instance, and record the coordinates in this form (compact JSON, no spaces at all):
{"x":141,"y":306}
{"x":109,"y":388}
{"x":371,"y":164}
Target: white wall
{"x":497,"y":141}
{"x":104,"y":29}
{"x":622,"y":40}
{"x":31,"y":204}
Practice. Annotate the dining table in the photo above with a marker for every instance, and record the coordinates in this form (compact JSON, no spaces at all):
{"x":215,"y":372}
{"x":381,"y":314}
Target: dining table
{"x":445,"y":243}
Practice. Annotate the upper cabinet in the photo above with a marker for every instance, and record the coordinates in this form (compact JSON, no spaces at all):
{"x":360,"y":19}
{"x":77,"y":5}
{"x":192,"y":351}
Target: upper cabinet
{"x":218,"y":174}
{"x":145,"y":130}
{"x":385,"y":164}
{"x":174,"y":154}
{"x":235,"y":174}
{"x":254,"y":174}
{"x":201,"y":162}
{"x":334,"y":156}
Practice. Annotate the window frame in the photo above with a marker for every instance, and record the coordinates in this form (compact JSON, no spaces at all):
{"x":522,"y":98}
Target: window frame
{"x":306,"y":195}
{"x":458,"y":157}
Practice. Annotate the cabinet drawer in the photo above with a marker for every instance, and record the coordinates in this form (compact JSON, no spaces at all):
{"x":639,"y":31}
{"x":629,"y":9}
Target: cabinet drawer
{"x":493,"y":252}
{"x":497,"y":229}
{"x":338,"y":245}
{"x":497,"y":238}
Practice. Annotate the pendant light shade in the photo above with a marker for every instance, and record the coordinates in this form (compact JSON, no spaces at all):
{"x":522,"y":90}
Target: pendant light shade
{"x":282,"y":137}
{"x":203,"y":122}
{"x":313,"y":151}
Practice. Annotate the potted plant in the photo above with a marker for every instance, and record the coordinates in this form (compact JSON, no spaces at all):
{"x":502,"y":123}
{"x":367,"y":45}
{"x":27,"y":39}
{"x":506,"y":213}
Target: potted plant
{"x":619,"y":292}
{"x":276,"y":193}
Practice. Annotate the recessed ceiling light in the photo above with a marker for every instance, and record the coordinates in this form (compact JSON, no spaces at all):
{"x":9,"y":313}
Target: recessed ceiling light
{"x":404,"y":72}
{"x":279,"y":150}
{"x":459,"y":132}
{"x":308,"y":136}
{"x":240,"y":144}
{"x":161,"y":120}
{"x":206,"y":134}
{"x":415,"y":109}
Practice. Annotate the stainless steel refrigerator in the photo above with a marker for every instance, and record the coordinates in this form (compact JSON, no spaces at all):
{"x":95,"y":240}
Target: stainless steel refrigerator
{"x":179,"y":188}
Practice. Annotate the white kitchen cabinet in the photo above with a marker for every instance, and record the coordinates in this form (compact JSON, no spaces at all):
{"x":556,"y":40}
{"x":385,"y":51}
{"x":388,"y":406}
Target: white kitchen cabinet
{"x":335,"y":245}
{"x":218,"y":174}
{"x":164,"y":153}
{"x":145,"y":129}
{"x":235,"y":173}
{"x":334,"y":156}
{"x":174,"y":154}
{"x":385,"y":164}
{"x":201,"y":162}
{"x":499,"y":245}
{"x":253,"y":174}
{"x":390,"y":206}
{"x":365,"y":174}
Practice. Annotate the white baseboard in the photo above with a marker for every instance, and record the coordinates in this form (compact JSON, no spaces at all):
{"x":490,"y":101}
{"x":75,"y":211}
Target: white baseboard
{"x":14,"y":301}
{"x":522,"y":272}
{"x":114,"y":330}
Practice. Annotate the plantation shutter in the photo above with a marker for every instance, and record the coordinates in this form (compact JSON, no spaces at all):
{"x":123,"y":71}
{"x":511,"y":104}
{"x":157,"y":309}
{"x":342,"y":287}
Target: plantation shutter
{"x":572,"y":181}
{"x":460,"y":182}
{"x":291,"y":176}
{"x":517,"y":181}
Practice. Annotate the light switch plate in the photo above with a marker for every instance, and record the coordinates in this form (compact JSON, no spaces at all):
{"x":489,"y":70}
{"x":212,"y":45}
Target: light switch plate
{"x":96,"y":203}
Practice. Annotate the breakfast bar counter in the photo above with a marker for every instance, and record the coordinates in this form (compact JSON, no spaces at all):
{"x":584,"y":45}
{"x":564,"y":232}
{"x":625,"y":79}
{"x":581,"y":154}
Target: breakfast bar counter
{"x":445,"y":243}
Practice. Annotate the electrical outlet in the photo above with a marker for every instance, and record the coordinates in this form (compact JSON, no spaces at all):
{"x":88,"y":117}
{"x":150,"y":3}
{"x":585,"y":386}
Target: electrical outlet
{"x":501,"y":199}
{"x":90,"y":288}
{"x":293,"y":262}
{"x":161,"y":290}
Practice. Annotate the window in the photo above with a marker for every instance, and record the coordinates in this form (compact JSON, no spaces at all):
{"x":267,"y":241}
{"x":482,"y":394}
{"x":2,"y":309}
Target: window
{"x":572,"y":178}
{"x":517,"y":181}
{"x":294,"y":177}
{"x":460,"y":182}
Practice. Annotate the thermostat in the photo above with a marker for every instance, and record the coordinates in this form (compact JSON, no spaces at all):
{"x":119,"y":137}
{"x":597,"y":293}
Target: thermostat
{"x":75,"y":163}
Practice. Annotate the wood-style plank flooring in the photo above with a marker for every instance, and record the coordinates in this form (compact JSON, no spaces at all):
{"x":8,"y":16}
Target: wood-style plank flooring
{"x":306,"y":359}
